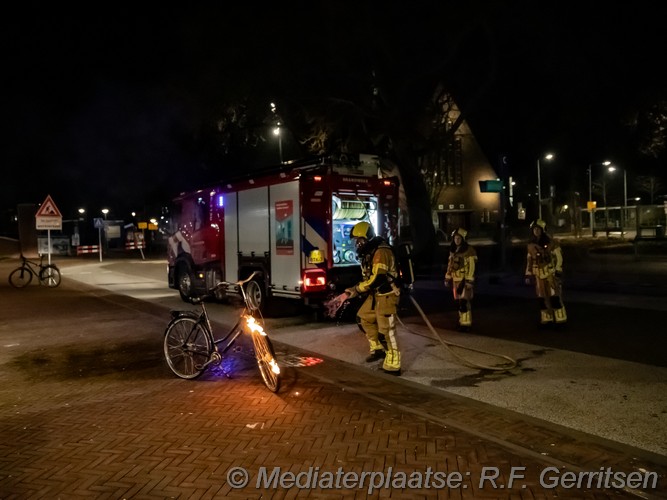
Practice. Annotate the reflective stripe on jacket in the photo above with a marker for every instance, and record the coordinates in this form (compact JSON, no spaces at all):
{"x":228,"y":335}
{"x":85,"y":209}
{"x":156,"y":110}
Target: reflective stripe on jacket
{"x":461,"y":265}
{"x":377,"y":271}
{"x":544,"y":260}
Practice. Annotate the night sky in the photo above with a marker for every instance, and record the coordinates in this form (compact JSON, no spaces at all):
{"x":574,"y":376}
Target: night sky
{"x":104,"y":107}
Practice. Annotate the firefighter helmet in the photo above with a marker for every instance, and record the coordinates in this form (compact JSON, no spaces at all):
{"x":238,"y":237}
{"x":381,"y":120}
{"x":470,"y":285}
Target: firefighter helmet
{"x":461,"y":232}
{"x":363,"y":229}
{"x":539,"y":223}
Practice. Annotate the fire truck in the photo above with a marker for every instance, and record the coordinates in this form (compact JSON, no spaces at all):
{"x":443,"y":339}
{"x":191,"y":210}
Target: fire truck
{"x":290,"y":223}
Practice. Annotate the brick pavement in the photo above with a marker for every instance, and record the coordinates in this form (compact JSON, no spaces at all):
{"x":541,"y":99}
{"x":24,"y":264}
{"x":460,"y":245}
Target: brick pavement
{"x":89,"y":410}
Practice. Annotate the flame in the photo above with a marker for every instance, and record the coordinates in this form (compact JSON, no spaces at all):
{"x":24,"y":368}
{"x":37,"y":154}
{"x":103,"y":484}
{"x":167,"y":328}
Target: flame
{"x":254,"y":326}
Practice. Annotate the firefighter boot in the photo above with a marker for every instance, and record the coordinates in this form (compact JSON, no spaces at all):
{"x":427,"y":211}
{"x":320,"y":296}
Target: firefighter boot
{"x":546,"y":317}
{"x":561,"y":315}
{"x":465,"y":320}
{"x":559,"y":310}
{"x":377,"y":351}
{"x":546,"y":314}
{"x":375,"y":355}
{"x":465,"y":316}
{"x":392,"y":362}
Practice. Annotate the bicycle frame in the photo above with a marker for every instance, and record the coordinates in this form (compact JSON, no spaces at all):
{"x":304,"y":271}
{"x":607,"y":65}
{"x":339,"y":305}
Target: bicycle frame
{"x":35,"y":267}
{"x":234,"y":333}
{"x":190,"y":345}
{"x":48,"y":274}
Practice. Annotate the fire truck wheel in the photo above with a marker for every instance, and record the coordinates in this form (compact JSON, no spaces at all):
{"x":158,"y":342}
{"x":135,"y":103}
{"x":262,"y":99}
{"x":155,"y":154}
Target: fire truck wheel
{"x":257,"y":298}
{"x":185,"y":280}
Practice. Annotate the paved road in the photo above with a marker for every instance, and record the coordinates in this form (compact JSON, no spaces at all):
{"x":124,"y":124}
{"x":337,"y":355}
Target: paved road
{"x":592,"y":376}
{"x":89,"y":410}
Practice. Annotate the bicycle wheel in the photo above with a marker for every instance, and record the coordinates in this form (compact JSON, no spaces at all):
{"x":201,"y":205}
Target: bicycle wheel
{"x":187,"y":347}
{"x":20,"y":277}
{"x":50,"y":276}
{"x":266,"y":357}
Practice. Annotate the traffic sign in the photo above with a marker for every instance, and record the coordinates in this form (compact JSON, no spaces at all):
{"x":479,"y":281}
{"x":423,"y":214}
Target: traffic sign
{"x":491,"y":186}
{"x":98,"y":222}
{"x":48,"y":208}
{"x":48,"y":216}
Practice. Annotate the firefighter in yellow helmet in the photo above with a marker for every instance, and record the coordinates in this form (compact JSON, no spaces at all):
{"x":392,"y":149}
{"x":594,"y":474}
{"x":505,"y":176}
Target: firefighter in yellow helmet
{"x":377,"y":315}
{"x":544,"y":266}
{"x":460,"y":276}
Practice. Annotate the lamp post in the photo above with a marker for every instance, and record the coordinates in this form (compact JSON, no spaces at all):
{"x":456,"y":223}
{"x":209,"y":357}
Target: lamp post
{"x":604,"y":185}
{"x":276,"y":131}
{"x":625,"y":195}
{"x":590,"y":193}
{"x":624,"y":210}
{"x":625,"y":188}
{"x":547,"y":156}
{"x":611,"y":168}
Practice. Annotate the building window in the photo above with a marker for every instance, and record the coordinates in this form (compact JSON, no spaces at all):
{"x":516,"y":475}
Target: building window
{"x":454,"y":163}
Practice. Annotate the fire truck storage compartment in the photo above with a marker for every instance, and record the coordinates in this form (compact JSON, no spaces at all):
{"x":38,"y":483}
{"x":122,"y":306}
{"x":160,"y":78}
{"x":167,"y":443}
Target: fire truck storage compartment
{"x":346,"y":212}
{"x":259,"y":227}
{"x":286,"y":252}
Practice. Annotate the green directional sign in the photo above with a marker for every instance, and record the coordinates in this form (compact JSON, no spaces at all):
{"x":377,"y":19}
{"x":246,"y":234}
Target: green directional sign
{"x":491,"y":186}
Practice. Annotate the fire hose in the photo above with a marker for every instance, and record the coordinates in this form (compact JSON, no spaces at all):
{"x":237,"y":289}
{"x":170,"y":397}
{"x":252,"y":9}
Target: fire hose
{"x":509,"y":365}
{"x":336,"y":308}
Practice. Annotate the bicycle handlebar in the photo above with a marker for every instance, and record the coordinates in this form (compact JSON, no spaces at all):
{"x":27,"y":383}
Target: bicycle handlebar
{"x":27,"y":260}
{"x":237,"y":283}
{"x":220,"y":284}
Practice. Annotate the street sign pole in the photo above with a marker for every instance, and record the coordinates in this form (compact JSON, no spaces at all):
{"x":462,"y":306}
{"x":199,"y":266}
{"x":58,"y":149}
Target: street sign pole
{"x":99,"y":224}
{"x":99,"y":246}
{"x":502,"y":168}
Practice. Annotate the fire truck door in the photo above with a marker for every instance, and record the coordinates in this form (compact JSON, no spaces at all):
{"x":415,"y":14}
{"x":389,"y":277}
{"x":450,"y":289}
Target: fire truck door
{"x":285,"y":239}
{"x":231,"y":238}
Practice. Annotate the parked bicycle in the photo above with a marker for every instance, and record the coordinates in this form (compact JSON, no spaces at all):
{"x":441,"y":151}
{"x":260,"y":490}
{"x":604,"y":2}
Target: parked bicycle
{"x":48,"y":274}
{"x":190,"y":346}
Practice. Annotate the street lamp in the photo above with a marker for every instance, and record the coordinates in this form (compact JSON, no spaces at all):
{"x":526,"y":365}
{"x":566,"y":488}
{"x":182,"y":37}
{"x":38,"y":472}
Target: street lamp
{"x":276,"y":131}
{"x":590,"y":192}
{"x":604,"y":198}
{"x":604,"y":184}
{"x":624,"y":212}
{"x":105,"y":211}
{"x":625,"y":194}
{"x":547,"y":156}
{"x":611,"y":168}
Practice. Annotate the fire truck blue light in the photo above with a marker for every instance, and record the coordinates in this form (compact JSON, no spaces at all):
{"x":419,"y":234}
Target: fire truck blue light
{"x":220,"y":201}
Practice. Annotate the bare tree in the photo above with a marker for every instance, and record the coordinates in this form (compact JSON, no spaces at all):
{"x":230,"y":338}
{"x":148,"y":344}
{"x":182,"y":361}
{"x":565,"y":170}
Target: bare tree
{"x":650,"y":185}
{"x":366,"y":92}
{"x":650,"y":127}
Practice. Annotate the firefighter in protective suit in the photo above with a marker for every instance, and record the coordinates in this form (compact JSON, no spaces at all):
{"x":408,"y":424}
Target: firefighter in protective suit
{"x":544,"y":266}
{"x":460,"y":276}
{"x":377,"y":314}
